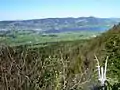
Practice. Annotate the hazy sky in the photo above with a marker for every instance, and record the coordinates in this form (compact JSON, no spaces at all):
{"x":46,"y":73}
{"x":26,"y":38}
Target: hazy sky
{"x":36,"y":9}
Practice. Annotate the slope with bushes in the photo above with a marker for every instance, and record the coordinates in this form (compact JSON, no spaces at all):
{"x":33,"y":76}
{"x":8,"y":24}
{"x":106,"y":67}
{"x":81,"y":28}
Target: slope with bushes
{"x":108,"y":44}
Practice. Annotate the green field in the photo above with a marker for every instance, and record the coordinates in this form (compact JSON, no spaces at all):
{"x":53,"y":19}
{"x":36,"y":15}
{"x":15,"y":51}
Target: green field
{"x":22,"y":38}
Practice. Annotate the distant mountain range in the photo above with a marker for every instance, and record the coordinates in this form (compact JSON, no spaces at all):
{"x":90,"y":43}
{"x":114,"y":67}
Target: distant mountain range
{"x":57,"y":25}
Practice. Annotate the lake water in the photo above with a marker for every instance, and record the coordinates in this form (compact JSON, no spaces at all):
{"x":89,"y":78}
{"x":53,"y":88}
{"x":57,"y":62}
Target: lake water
{"x":99,"y":29}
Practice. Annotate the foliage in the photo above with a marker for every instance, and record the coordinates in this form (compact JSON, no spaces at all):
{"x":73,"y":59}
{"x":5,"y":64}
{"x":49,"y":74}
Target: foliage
{"x":113,"y":51}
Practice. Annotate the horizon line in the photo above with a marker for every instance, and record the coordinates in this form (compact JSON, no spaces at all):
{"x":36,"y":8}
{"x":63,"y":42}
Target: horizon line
{"x":55,"y":17}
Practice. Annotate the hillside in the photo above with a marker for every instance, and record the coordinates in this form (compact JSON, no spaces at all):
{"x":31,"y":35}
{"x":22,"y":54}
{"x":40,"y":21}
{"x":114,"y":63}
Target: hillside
{"x":107,"y":44}
{"x":62,"y":65}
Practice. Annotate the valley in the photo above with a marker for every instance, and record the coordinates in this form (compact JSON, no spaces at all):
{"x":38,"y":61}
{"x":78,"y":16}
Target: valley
{"x":58,"y":60}
{"x":53,"y":29}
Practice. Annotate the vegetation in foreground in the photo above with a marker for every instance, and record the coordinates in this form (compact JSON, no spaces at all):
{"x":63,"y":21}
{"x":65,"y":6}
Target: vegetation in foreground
{"x":61,"y":66}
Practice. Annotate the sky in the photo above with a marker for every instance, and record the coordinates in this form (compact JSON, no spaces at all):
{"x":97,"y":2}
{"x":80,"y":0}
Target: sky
{"x":37,"y":9}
